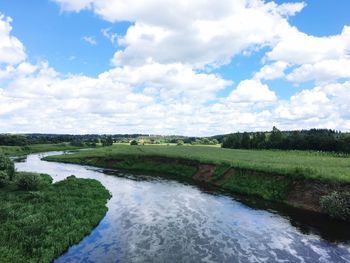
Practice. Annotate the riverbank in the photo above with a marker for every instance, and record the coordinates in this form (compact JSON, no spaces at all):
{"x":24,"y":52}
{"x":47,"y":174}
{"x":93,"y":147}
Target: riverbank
{"x":37,"y":226}
{"x":299,"y":179}
{"x":35,"y":148}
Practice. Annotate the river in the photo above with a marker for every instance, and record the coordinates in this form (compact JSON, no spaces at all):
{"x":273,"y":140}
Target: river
{"x":153,"y":219}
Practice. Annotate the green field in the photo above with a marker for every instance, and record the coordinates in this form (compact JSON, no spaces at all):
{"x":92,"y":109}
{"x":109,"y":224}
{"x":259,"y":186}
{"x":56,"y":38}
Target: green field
{"x":35,"y":148}
{"x":37,"y":226}
{"x":300,"y":164}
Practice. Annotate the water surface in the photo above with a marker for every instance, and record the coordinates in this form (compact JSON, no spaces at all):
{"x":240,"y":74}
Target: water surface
{"x":152,"y":219}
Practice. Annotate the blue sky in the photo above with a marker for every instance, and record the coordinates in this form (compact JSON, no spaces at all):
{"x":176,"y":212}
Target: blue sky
{"x":54,"y":36}
{"x":183,"y":78}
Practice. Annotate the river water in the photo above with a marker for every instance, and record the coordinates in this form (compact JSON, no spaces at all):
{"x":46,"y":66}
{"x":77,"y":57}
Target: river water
{"x":153,"y":219}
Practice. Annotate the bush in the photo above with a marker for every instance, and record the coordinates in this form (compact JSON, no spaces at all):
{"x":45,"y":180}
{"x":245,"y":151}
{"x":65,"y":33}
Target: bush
{"x":3,"y":178}
{"x":32,"y":181}
{"x":7,"y":169}
{"x":180,"y":143}
{"x":337,"y":205}
{"x":133,"y":142}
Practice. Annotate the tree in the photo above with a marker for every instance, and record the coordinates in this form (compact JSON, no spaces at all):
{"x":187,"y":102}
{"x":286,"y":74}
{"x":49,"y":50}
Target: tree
{"x":133,"y":142}
{"x":275,"y":139}
{"x":180,"y":142}
{"x":13,"y":140}
{"x":245,"y":143}
{"x":107,"y":141}
{"x":215,"y":142}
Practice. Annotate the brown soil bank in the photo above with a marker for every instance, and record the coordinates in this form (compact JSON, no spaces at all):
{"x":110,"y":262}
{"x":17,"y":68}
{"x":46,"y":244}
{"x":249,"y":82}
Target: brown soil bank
{"x":294,"y":191}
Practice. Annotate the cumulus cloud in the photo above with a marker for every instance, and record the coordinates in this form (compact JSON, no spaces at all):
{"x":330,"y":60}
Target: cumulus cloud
{"x":152,"y":97}
{"x":11,"y":49}
{"x":252,"y":91}
{"x":198,"y":33}
{"x":323,"y":71}
{"x":296,"y":47}
{"x":322,"y":106}
{"x":272,"y":71}
{"x":322,"y":59}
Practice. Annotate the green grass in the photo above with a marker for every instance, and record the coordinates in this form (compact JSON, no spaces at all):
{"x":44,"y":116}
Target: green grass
{"x":268,"y":187}
{"x":297,"y":164}
{"x":35,"y":148}
{"x":39,"y":226}
{"x":148,"y":166}
{"x":136,"y":164}
{"x":219,"y":171}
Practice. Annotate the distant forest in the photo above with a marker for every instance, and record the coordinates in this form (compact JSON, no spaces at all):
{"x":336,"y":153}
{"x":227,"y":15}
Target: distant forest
{"x":314,"y":139}
{"x":90,"y":139}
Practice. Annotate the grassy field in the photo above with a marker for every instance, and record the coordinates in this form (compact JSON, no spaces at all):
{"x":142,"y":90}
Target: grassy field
{"x":34,"y":148}
{"x":313,"y":165}
{"x":37,"y":226}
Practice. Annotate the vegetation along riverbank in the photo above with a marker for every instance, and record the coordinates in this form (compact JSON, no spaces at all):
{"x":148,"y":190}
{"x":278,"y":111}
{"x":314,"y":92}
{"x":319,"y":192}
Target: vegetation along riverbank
{"x":40,"y":220}
{"x":314,"y":181}
{"x":36,"y":148}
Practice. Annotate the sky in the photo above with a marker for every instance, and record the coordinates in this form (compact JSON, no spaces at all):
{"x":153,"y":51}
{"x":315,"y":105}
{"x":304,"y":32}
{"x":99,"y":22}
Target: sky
{"x":195,"y":68}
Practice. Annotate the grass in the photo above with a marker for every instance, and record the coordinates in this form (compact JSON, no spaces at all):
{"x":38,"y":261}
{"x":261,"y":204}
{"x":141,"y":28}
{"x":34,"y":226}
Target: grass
{"x":39,"y":226}
{"x":268,"y":187}
{"x":135,"y":164}
{"x":148,"y":166}
{"x":35,"y":148}
{"x":297,"y":164}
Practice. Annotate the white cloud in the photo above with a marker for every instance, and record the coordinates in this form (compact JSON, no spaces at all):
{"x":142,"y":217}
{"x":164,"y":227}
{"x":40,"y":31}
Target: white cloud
{"x":321,"y":59}
{"x":323,"y":71}
{"x":91,"y":40}
{"x":75,"y":5}
{"x":299,"y":48}
{"x":113,"y":37}
{"x":163,"y":99}
{"x":272,"y":71}
{"x":323,"y":106}
{"x":252,"y":91}
{"x":197,"y":32}
{"x":290,"y":9}
{"x":154,"y":97}
{"x":11,"y":49}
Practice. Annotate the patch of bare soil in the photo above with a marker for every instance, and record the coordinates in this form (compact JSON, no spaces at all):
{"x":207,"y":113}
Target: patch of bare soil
{"x":204,"y":173}
{"x":306,"y":194}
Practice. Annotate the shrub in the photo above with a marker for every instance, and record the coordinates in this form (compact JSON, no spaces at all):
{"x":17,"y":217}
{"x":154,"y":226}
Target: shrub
{"x":7,"y":168}
{"x":337,"y":205}
{"x":32,"y":181}
{"x":180,"y":142}
{"x":133,"y":142}
{"x":3,"y":178}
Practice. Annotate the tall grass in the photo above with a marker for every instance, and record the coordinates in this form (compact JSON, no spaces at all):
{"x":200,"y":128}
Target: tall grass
{"x":39,"y":226}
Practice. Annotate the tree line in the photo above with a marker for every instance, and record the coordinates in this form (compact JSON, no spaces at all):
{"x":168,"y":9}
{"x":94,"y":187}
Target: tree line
{"x":314,"y":139}
{"x":105,"y":140}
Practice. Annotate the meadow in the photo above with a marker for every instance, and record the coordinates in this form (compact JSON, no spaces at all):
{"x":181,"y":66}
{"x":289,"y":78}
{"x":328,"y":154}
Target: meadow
{"x":37,"y":226}
{"x":295,"y":164}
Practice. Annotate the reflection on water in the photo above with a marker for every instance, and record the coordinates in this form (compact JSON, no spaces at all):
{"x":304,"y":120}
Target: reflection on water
{"x":161,"y":220}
